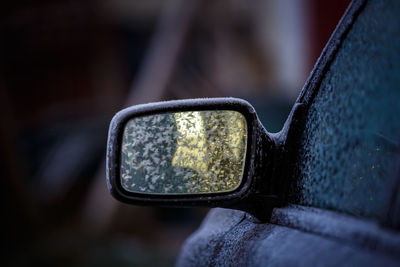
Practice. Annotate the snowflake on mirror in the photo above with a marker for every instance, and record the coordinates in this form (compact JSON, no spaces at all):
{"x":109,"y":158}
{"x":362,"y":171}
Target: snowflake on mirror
{"x":184,"y":152}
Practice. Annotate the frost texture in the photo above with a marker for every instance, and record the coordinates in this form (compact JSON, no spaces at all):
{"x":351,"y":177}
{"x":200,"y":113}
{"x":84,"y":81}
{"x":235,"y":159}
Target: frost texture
{"x":352,"y":128}
{"x":184,"y":152}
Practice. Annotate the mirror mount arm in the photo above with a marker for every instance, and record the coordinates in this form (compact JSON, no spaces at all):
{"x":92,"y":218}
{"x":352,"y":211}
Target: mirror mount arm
{"x":266,"y":188}
{"x":275,"y":160}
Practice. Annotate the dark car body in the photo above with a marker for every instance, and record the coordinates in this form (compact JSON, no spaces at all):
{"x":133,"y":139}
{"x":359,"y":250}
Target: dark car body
{"x":341,"y":166}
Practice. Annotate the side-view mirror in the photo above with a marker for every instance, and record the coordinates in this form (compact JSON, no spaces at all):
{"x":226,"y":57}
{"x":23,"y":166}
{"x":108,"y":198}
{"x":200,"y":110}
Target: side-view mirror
{"x":202,"y":152}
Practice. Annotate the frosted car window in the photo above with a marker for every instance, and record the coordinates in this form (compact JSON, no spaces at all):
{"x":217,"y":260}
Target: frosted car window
{"x":353,"y":126}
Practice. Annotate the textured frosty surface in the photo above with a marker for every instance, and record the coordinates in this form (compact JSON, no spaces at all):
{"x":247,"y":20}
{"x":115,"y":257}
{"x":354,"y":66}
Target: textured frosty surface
{"x":184,"y":152}
{"x":352,"y":128}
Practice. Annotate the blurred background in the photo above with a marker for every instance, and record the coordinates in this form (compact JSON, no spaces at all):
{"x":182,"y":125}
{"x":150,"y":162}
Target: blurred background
{"x":67,"y":66}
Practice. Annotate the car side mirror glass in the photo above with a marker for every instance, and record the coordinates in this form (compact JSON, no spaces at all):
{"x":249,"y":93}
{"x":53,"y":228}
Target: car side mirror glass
{"x":190,"y":152}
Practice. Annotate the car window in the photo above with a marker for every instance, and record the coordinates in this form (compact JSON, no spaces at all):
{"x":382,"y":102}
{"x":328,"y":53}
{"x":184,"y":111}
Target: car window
{"x":352,"y":128}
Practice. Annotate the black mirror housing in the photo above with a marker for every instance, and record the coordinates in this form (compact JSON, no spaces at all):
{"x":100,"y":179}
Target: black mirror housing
{"x":257,"y":185}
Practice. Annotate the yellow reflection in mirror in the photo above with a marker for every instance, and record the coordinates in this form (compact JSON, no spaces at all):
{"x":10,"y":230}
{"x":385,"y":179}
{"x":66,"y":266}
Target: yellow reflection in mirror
{"x":191,"y":142}
{"x":213,"y":144}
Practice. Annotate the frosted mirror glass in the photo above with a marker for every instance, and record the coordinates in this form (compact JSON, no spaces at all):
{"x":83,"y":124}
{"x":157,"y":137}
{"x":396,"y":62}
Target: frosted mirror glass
{"x":191,"y":152}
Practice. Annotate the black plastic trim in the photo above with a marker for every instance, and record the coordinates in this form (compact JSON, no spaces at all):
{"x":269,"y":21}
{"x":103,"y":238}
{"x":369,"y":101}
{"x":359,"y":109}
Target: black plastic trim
{"x":226,"y":199}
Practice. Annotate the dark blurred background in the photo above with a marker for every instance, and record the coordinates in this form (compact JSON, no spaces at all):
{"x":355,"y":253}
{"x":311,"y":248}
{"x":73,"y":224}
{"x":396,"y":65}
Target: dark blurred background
{"x":67,"y":66}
